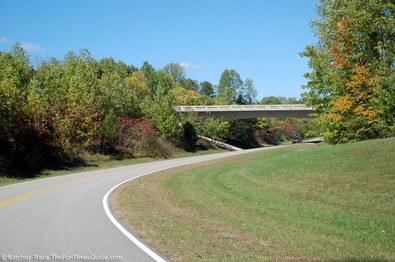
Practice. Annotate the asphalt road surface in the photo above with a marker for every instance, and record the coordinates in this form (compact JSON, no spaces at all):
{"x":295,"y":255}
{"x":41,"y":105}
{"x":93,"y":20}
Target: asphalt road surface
{"x":64,"y":218}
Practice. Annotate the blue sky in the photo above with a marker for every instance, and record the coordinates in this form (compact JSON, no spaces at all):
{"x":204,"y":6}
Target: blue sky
{"x":260,"y":39}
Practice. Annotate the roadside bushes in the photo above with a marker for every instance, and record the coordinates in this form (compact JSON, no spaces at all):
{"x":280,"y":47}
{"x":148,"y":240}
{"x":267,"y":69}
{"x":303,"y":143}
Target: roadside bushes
{"x":214,"y":129}
{"x":56,"y":113}
{"x":244,"y":131}
{"x":275,"y":130}
{"x":252,"y":132}
{"x":138,"y":138}
{"x":29,"y":148}
{"x":63,"y":109}
{"x":133,"y":137}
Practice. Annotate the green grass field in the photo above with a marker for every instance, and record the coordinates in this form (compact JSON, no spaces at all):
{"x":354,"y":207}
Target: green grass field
{"x":301,"y":203}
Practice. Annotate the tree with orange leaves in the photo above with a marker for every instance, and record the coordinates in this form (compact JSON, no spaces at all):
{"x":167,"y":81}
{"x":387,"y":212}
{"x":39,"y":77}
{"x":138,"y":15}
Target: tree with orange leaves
{"x":352,"y":83}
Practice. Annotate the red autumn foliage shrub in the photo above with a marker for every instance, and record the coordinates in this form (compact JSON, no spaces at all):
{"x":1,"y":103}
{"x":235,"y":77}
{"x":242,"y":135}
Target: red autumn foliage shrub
{"x":135,"y":129}
{"x":139,"y":138}
{"x":273,"y":130}
{"x":29,"y":146}
{"x":291,"y":129}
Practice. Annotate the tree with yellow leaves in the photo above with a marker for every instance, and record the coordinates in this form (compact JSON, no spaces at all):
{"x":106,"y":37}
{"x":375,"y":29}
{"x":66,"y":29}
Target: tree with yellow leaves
{"x":352,"y":83}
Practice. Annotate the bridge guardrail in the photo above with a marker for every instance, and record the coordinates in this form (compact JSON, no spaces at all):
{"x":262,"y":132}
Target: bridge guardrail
{"x":292,"y":107}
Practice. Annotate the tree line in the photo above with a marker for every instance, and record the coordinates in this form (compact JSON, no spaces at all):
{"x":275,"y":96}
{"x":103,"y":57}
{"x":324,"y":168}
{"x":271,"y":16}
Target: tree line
{"x":56,"y":112}
{"x":52,"y":114}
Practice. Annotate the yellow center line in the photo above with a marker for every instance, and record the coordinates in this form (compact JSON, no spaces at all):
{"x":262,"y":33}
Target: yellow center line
{"x":35,"y":192}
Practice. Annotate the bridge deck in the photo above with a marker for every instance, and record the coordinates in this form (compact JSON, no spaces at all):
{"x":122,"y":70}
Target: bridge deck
{"x":229,"y":112}
{"x":224,"y":108}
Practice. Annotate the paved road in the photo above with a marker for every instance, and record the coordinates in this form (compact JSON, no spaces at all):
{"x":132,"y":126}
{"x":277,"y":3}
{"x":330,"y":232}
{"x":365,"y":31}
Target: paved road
{"x":64,"y":216}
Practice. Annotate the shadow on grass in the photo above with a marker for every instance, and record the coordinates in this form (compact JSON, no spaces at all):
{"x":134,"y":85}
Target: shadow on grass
{"x":242,"y":145}
{"x":22,"y":171}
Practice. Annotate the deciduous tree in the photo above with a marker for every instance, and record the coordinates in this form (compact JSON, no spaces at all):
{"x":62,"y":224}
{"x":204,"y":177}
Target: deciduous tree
{"x":176,"y":71}
{"x":150,"y":76}
{"x":206,"y":89}
{"x":230,"y":85}
{"x":249,"y":92}
{"x":352,"y":83}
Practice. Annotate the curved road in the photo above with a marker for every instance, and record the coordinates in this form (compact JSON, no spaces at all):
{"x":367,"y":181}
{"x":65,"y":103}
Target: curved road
{"x":60,"y":218}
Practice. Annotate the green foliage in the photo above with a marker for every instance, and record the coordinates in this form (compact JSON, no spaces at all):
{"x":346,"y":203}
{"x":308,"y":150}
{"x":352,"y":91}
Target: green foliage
{"x":187,"y":96}
{"x":15,"y":75}
{"x":111,"y":129}
{"x":150,"y":76}
{"x":13,"y":92}
{"x":69,"y":108}
{"x":278,"y":100}
{"x":206,"y":89}
{"x":229,"y":85}
{"x":262,"y":130}
{"x":160,"y":110}
{"x":352,"y":80}
{"x":19,"y":61}
{"x":232,"y":88}
{"x":109,"y":66}
{"x":136,"y":91}
{"x":78,"y":127}
{"x":123,"y":95}
{"x":248,"y":92}
{"x":244,"y":131}
{"x":56,"y":112}
{"x":26,"y":142}
{"x":190,"y":84}
{"x":214,"y":129}
{"x":175,"y":71}
{"x":276,"y":130}
{"x":52,"y":80}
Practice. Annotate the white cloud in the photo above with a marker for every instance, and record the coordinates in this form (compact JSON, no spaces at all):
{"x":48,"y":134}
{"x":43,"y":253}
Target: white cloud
{"x":3,"y":40}
{"x":253,"y":69}
{"x":187,"y":66}
{"x":31,"y":47}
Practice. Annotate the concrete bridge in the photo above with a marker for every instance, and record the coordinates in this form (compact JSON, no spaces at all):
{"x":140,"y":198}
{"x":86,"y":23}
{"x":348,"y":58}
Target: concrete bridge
{"x":231,"y":112}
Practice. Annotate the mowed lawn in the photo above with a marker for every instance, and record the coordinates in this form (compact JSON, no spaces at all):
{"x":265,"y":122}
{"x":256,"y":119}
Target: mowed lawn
{"x":301,"y":203}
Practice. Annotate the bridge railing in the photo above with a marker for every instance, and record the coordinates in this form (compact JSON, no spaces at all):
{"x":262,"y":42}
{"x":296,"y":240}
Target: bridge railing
{"x":222,"y":108}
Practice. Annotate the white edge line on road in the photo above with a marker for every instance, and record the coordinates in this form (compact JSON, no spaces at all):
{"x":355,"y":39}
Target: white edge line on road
{"x":124,"y":231}
{"x":132,"y":238}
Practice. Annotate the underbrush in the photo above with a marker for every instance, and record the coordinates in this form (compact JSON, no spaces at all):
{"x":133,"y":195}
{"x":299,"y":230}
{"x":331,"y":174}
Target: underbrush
{"x":88,"y":161}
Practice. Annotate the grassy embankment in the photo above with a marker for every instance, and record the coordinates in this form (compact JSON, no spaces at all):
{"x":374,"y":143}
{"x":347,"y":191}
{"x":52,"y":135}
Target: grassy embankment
{"x":303,"y":203}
